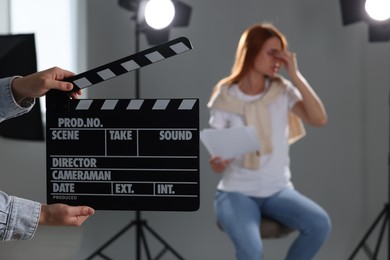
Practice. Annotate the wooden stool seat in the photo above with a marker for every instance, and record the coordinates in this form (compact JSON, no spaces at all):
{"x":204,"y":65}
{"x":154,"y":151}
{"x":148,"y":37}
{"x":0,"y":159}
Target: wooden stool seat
{"x":273,"y":229}
{"x":270,"y":228}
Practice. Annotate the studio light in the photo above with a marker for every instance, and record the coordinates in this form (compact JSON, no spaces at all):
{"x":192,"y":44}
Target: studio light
{"x":159,"y":14}
{"x":375,"y":13}
{"x":155,"y":18}
{"x":378,"y":10}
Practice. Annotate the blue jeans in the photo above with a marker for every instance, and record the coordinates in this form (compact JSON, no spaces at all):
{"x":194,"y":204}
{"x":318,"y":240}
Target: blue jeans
{"x":240,"y":215}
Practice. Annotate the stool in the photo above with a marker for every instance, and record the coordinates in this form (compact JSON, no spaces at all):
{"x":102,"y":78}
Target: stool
{"x":271,"y":229}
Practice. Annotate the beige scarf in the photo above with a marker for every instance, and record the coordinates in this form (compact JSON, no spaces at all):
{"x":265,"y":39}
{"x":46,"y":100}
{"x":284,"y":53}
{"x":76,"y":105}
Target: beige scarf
{"x":256,"y":114}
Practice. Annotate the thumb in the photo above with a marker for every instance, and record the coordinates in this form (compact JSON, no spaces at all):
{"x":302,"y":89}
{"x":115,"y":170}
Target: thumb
{"x":60,"y":85}
{"x":86,"y":211}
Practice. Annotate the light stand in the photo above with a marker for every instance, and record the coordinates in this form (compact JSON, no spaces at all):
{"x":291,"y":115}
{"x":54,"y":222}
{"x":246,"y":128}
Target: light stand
{"x":373,"y":255}
{"x":384,"y":215}
{"x":352,"y":11}
{"x":138,"y":223}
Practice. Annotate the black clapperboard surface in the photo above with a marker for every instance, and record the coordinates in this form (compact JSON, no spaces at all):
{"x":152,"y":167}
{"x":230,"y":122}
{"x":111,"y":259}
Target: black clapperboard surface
{"x":123,"y":154}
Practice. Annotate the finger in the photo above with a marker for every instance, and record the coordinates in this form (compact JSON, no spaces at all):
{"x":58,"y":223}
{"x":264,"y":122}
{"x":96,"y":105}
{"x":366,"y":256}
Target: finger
{"x":74,"y":95}
{"x":226,"y":163}
{"x":60,"y":85}
{"x":84,"y":211}
{"x":216,"y":158}
{"x":66,"y":74}
{"x":80,"y":214}
{"x":88,"y":211}
{"x":59,"y":74}
{"x":81,"y":220}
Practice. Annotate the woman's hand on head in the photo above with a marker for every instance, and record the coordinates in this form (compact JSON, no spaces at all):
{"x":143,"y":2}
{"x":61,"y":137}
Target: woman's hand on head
{"x":289,"y":60}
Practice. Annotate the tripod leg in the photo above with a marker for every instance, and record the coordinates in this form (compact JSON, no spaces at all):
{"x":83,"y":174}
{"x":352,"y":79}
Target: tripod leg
{"x":100,"y":249}
{"x":173,"y":251}
{"x":138,"y":253}
{"x":368,"y":233}
{"x":378,"y":244}
{"x":140,"y":238}
{"x":143,"y":240}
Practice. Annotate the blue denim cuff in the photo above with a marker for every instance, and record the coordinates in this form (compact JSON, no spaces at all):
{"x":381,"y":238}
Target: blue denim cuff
{"x":8,"y":106}
{"x":23,"y":219}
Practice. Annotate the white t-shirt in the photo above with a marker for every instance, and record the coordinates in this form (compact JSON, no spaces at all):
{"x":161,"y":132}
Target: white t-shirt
{"x":274,"y":172}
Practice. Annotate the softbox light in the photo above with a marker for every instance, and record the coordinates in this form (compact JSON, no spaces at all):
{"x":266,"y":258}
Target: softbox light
{"x":153,"y":36}
{"x":353,"y":11}
{"x":18,"y":57}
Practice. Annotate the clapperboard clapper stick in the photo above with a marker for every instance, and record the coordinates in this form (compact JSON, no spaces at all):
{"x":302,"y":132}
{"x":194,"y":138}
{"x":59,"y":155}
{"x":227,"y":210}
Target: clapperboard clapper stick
{"x":57,"y":99}
{"x":123,"y":154}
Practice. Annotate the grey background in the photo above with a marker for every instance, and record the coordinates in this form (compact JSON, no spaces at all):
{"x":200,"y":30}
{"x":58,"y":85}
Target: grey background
{"x":343,"y":166}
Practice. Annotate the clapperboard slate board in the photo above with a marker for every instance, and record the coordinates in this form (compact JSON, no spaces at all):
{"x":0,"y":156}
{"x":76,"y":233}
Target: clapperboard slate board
{"x":123,"y":154}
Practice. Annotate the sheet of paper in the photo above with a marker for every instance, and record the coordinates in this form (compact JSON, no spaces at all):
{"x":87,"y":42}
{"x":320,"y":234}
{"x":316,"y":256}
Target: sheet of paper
{"x":230,"y":142}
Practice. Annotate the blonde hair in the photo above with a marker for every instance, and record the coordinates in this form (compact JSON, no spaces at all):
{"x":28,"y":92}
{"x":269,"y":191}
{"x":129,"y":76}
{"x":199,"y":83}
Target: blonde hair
{"x":250,"y":44}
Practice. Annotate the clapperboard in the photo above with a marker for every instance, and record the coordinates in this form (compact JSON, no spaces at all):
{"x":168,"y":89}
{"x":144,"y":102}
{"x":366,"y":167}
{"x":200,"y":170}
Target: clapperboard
{"x":123,"y":154}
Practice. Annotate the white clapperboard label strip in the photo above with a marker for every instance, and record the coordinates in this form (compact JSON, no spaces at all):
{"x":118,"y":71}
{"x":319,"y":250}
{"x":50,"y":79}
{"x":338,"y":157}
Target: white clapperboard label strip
{"x":174,"y":184}
{"x":135,"y":104}
{"x":130,"y":63}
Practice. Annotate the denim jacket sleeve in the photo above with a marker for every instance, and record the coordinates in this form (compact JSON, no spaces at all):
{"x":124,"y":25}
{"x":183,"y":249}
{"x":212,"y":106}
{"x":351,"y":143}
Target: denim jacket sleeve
{"x":8,"y":106}
{"x":19,"y":217}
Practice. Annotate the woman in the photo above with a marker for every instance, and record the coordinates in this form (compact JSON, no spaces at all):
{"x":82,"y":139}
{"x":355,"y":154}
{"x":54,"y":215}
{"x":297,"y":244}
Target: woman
{"x":258,"y":184}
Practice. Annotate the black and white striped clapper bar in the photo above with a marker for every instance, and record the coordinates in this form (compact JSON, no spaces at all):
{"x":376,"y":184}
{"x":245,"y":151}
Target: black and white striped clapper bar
{"x":123,"y":154}
{"x":130,"y":63}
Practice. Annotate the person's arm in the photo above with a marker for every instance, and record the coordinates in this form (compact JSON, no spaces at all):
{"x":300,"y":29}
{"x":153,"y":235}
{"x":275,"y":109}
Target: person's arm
{"x":17,"y":94}
{"x":310,"y":108}
{"x":19,"y":218}
{"x":8,"y":106}
{"x":38,"y":84}
{"x":64,"y":215}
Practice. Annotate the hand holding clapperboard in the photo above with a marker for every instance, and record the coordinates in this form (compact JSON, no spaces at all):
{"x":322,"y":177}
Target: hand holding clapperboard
{"x":123,"y":154}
